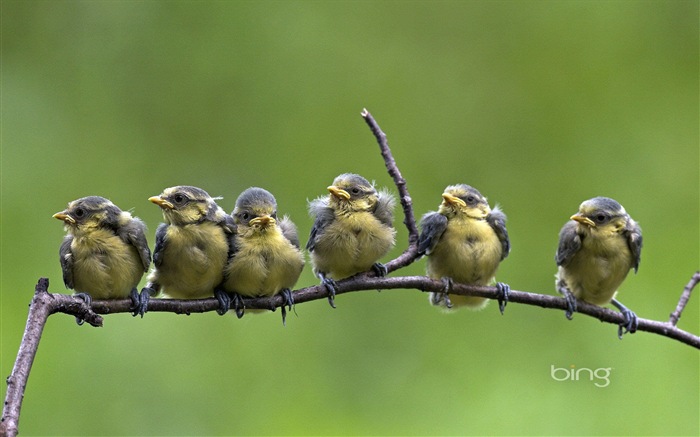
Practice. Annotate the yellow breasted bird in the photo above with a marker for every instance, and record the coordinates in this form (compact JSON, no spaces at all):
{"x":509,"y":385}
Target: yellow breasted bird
{"x":465,"y":241}
{"x":352,"y":230}
{"x":192,"y":246}
{"x":597,"y":248}
{"x":105,"y":252}
{"x":265,"y":258}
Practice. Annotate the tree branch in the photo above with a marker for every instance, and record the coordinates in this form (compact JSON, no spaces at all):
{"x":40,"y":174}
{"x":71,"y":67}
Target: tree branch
{"x":45,"y":304}
{"x":685,"y":297}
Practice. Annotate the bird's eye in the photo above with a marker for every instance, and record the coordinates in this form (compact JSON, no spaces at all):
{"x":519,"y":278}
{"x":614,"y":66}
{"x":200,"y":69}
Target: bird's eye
{"x":471,"y":199}
{"x":179,"y":198}
{"x":245,"y":216}
{"x":355,"y":190}
{"x":79,"y":212}
{"x":600,"y":218}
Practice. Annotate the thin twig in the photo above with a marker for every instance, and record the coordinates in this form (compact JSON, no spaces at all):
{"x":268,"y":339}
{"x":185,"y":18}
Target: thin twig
{"x":42,"y":306}
{"x":685,"y":297}
{"x":410,"y":254}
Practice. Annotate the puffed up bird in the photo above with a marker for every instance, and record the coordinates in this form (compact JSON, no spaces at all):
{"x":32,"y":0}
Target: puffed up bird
{"x":465,"y":241}
{"x":352,"y":230}
{"x":192,"y":246}
{"x":105,"y":252}
{"x":597,"y":248}
{"x":265,"y":258}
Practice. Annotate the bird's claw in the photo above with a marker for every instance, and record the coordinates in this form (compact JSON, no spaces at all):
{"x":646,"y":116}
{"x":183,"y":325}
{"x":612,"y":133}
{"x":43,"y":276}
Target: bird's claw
{"x":288,"y":301}
{"x":445,"y":295}
{"x":504,"y":289}
{"x":88,"y":300}
{"x":570,"y":300}
{"x":332,"y":288}
{"x":224,"y":301}
{"x":139,"y":301}
{"x":631,"y":322}
{"x":379,"y":269}
{"x":237,"y":304}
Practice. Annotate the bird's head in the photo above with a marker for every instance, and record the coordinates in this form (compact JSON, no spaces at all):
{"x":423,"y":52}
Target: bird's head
{"x":601,"y":215}
{"x":352,"y":193}
{"x":90,"y":213}
{"x":256,"y":210}
{"x":183,"y":205}
{"x":464,"y":200}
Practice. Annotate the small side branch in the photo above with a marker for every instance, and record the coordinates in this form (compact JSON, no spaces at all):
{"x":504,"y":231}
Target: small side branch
{"x":685,"y":297}
{"x":411,"y":252}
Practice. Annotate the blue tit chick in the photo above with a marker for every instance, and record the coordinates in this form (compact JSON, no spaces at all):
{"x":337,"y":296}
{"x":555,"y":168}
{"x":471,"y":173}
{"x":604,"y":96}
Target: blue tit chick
{"x":192,"y":246}
{"x":465,"y":241}
{"x":105,"y":252}
{"x":353,"y":229}
{"x":265,"y":258}
{"x":597,"y":249}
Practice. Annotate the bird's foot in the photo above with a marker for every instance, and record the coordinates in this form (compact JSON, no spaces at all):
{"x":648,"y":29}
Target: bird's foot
{"x":332,"y":288}
{"x":379,"y":269}
{"x":445,"y":295}
{"x":237,"y":304}
{"x":570,"y":299}
{"x":224,"y":301}
{"x":88,"y":300}
{"x":288,"y":302}
{"x":139,"y":301}
{"x":504,"y":289}
{"x":631,"y":322}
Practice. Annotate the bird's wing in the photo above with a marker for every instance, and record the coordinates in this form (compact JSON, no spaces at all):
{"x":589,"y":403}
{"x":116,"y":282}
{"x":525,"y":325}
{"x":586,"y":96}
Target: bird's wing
{"x":569,"y":243}
{"x":497,"y":221}
{"x":324,"y":217}
{"x":289,"y":230}
{"x":160,"y":244}
{"x":384,"y":209}
{"x":633,"y":233}
{"x":432,"y":226}
{"x":66,"y":256}
{"x":134,"y":233}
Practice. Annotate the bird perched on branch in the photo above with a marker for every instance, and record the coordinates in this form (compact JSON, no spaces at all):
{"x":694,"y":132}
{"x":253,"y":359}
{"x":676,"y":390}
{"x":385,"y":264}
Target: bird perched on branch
{"x":105,"y":252}
{"x":597,"y":248}
{"x":192,"y":246}
{"x":465,"y":241}
{"x":265,"y":258}
{"x":352,"y":230}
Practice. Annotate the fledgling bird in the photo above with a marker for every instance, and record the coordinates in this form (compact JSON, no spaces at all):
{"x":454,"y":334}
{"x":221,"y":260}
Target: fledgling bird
{"x":265,"y":258}
{"x":465,"y":241}
{"x":597,"y":248}
{"x":192,"y":246}
{"x":105,"y":252}
{"x":352,"y":230}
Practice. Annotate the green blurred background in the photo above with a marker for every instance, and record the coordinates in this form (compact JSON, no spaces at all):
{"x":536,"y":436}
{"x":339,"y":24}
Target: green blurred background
{"x":539,"y":104}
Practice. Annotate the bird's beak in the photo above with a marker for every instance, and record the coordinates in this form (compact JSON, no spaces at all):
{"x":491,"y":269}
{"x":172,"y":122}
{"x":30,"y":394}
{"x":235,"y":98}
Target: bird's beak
{"x":262,"y":221}
{"x":583,"y":220}
{"x":161,"y":202}
{"x":339,"y":193}
{"x":452,"y":200}
{"x":65,"y":217}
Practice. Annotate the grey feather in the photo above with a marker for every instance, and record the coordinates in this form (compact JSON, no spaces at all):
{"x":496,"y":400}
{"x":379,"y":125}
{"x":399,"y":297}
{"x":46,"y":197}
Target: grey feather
{"x":134,"y":233}
{"x":324,"y":217}
{"x":569,"y":243}
{"x":497,"y":220}
{"x":66,"y":258}
{"x":433,"y":225}
{"x":633,"y":233}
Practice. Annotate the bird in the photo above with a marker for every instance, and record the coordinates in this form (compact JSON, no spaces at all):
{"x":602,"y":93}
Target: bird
{"x":352,"y":230}
{"x":105,"y":252}
{"x":192,"y":246}
{"x":598,"y":247}
{"x":464,"y":241}
{"x":265,"y":258}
